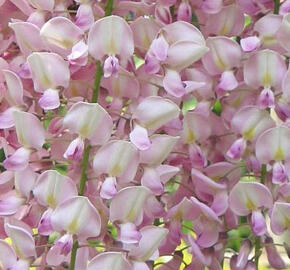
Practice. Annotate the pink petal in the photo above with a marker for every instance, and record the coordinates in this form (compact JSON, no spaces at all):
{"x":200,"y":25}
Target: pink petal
{"x":279,"y":217}
{"x":123,"y":160}
{"x":152,"y":65}
{"x":43,"y":4}
{"x":78,"y":216}
{"x":196,"y":127}
{"x":197,"y":157}
{"x":151,"y":180}
{"x":6,"y":118}
{"x":79,"y":54}
{"x":27,"y":37}
{"x":266,"y":99}
{"x":108,"y":189}
{"x":172,"y":83}
{"x":49,"y":100}
{"x":277,"y":141}
{"x":53,"y":188}
{"x":17,"y":161}
{"x":22,"y":241}
{"x":75,"y":150}
{"x":139,"y":137}
{"x":94,"y":122}
{"x":258,"y":223}
{"x":110,"y":36}
{"x":7,"y":256}
{"x":49,"y":70}
{"x":10,"y":203}
{"x":153,"y":112}
{"x":14,"y":95}
{"x":274,"y":257}
{"x":159,"y":48}
{"x":132,"y":200}
{"x":211,"y":7}
{"x":166,"y":172}
{"x":109,"y":260}
{"x":27,"y":136}
{"x":44,"y":227}
{"x":129,"y":233}
{"x":250,"y":44}
{"x":228,"y":81}
{"x":24,"y":187}
{"x":279,"y":175}
{"x":244,"y":253}
{"x":264,"y":68}
{"x":161,"y":146}
{"x":111,"y":66}
{"x":60,"y":34}
{"x":237,"y":149}
{"x":184,"y":12}
{"x":182,"y":54}
{"x":246,"y":197}
{"x":85,"y":17}
{"x":152,"y":237}
{"x":6,"y":181}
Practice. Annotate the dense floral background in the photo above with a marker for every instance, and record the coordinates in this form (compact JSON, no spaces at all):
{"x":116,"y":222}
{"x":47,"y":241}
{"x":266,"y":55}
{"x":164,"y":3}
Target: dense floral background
{"x":141,"y":135}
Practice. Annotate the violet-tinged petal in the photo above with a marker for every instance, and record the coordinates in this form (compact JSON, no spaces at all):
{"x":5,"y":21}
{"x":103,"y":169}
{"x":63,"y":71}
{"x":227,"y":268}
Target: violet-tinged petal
{"x":151,"y":180}
{"x":111,"y":66}
{"x":49,"y":100}
{"x":159,"y":48}
{"x":6,"y":118}
{"x":17,"y":161}
{"x":152,"y":65}
{"x":250,"y":44}
{"x":44,"y":227}
{"x":108,"y":189}
{"x":279,"y":175}
{"x":139,"y":137}
{"x":14,"y":94}
{"x":75,"y":150}
{"x":237,"y":149}
{"x":110,"y":260}
{"x":129,"y":233}
{"x":228,"y":81}
{"x":197,"y":157}
{"x":258,"y":223}
{"x":266,"y":99}
{"x":184,"y":12}
{"x":273,"y":256}
{"x":85,"y":17}
{"x":172,"y":83}
{"x":244,"y":253}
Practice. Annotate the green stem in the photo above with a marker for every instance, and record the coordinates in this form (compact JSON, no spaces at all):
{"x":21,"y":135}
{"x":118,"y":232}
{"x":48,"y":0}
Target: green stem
{"x":263,"y":173}
{"x":85,"y":163}
{"x":73,"y":255}
{"x":109,"y":7}
{"x":257,"y":251}
{"x":276,"y":6}
{"x":99,"y":73}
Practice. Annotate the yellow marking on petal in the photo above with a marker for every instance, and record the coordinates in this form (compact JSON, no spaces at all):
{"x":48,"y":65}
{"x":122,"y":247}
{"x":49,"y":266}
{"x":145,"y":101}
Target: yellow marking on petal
{"x":287,"y":222}
{"x":279,"y":155}
{"x":84,"y":131}
{"x":146,"y":41}
{"x":73,"y":226}
{"x":116,"y":170}
{"x":131,"y":215}
{"x":225,"y":29}
{"x":268,"y":40}
{"x":60,"y":42}
{"x":45,"y":81}
{"x":249,"y":134}
{"x":51,"y":200}
{"x":190,"y":137}
{"x":250,"y":205}
{"x":267,"y":78}
{"x":237,"y":102}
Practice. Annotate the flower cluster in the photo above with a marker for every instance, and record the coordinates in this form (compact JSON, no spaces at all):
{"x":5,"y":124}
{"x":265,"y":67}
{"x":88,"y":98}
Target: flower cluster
{"x":131,"y":131}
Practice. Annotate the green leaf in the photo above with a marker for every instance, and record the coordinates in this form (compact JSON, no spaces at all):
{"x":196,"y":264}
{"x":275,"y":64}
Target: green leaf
{"x":217,"y":107}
